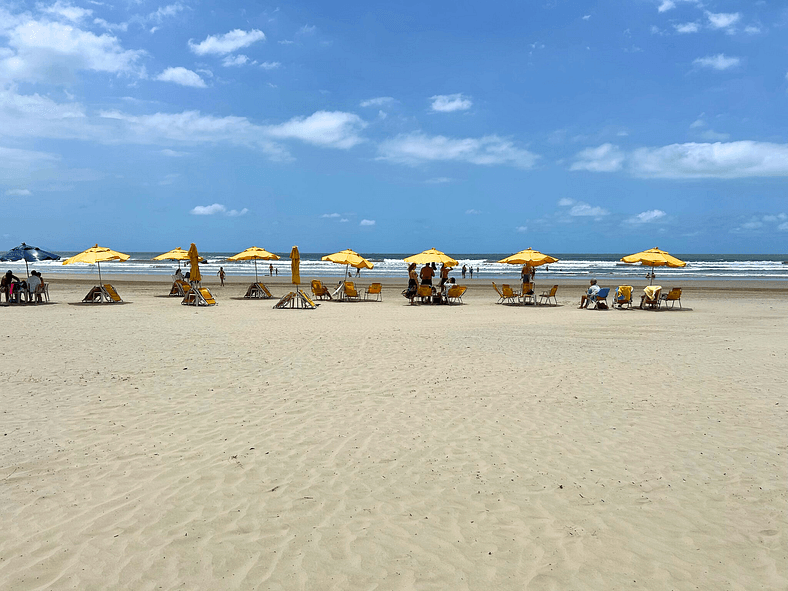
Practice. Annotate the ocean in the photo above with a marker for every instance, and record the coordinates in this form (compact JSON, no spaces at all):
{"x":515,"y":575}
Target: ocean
{"x":570,"y":265}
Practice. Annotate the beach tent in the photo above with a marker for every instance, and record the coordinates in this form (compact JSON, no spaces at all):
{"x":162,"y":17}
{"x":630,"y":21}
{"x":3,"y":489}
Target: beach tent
{"x":654,"y":257}
{"x":176,"y":254}
{"x":431,"y":256}
{"x":349,"y":258}
{"x":255,"y":254}
{"x":27,"y":253}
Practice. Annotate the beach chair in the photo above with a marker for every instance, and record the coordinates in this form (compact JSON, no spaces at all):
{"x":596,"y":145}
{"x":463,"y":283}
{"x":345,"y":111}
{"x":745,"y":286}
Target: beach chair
{"x":500,"y":295}
{"x":454,"y":295}
{"x":673,"y":296}
{"x":509,"y":295}
{"x":258,"y":291}
{"x":43,"y":291}
{"x":350,"y":292}
{"x":527,"y":293}
{"x":296,"y":300}
{"x":102,"y":293}
{"x":544,"y":298}
{"x":623,"y":297}
{"x":600,"y":299}
{"x":424,"y":291}
{"x":650,"y":298}
{"x":374,"y":289}
{"x":199,"y":296}
{"x":180,"y":288}
{"x":319,"y":290}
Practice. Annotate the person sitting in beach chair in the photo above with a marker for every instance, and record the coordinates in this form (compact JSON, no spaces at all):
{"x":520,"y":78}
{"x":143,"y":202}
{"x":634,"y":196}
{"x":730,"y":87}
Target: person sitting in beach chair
{"x":623,"y":297}
{"x":590,"y":294}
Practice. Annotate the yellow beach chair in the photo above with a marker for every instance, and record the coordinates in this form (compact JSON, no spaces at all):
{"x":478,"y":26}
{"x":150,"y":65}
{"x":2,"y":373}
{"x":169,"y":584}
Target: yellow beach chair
{"x":509,"y":295}
{"x":200,"y":296}
{"x":454,"y":295}
{"x":180,"y":288}
{"x":350,"y":292}
{"x":544,"y":298}
{"x":500,"y":295}
{"x":673,"y":296}
{"x":650,"y":297}
{"x":375,"y":289}
{"x":623,"y":297}
{"x":319,"y":290}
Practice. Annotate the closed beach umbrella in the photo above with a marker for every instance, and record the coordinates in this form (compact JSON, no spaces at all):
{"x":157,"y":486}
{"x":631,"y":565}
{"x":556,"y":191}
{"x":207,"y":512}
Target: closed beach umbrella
{"x":194,"y":261}
{"x":431,"y":256}
{"x":530,"y":257}
{"x":27,"y":253}
{"x":254,"y":254}
{"x":95,"y":256}
{"x":295,"y":264}
{"x":654,"y":257}
{"x":176,"y":254}
{"x":349,"y":258}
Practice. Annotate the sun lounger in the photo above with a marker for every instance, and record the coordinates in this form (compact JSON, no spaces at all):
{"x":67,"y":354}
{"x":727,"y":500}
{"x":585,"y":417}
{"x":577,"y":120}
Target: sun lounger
{"x":258,"y":291}
{"x":199,"y":296}
{"x":296,"y":300}
{"x":600,"y":299}
{"x":180,"y":288}
{"x":319,"y":290}
{"x":509,"y":295}
{"x":544,"y":298}
{"x":673,"y":296}
{"x":623,"y":296}
{"x":102,"y":293}
{"x":650,"y":297}
{"x":454,"y":295}
{"x":375,"y":289}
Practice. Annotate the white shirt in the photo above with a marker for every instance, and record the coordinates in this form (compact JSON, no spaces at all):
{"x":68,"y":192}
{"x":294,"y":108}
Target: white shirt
{"x":33,"y":283}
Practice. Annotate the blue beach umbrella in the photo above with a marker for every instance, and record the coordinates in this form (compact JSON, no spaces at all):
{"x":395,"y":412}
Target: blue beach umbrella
{"x":27,"y":253}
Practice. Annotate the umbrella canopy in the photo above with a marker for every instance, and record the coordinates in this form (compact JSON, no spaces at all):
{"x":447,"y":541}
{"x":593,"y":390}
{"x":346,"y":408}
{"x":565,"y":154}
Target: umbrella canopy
{"x":530,"y":257}
{"x":27,"y":253}
{"x":176,"y":254}
{"x":194,"y":261}
{"x":255,"y":254}
{"x":654,"y":257}
{"x":350,"y":258}
{"x":431,"y":256}
{"x":295,"y":264}
{"x":95,"y":256}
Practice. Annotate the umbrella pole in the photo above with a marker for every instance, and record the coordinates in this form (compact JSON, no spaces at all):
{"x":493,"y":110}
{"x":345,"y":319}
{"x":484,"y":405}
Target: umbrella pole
{"x":99,"y":269}
{"x":256,"y":280}
{"x":27,"y":269}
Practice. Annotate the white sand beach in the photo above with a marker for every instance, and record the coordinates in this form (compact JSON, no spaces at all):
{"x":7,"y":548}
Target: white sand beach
{"x":151,"y":445}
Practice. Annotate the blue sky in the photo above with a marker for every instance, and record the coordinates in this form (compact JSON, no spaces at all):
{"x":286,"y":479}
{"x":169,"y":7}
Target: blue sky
{"x":609,"y":126}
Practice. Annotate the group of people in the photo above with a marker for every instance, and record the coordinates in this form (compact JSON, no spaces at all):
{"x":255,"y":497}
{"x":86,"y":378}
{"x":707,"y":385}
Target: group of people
{"x":13,"y":287}
{"x":426,"y":276}
{"x":467,"y":268}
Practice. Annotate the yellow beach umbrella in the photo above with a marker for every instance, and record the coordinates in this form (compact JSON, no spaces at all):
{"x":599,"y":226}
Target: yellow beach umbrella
{"x":295,"y":263}
{"x":349,"y":258}
{"x":255,"y":254}
{"x":95,"y":256}
{"x":176,"y":254}
{"x":194,"y":261}
{"x":654,"y":257}
{"x":431,"y":256}
{"x":530,"y":257}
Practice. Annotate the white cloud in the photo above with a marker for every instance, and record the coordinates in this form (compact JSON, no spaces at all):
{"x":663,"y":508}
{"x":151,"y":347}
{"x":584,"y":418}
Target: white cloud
{"x":378,"y":101}
{"x":165,"y":11}
{"x":717,"y":62}
{"x":586,"y":17}
{"x":330,"y":215}
{"x":227,"y":43}
{"x":714,"y":136}
{"x":217,"y":208}
{"x":18,"y":192}
{"x":307,"y":30}
{"x":52,"y":52}
{"x":230,"y":61}
{"x":447,"y":103}
{"x":565,"y":202}
{"x":724,"y":160}
{"x":783,"y":227}
{"x":416,"y":148}
{"x":647,"y":216}
{"x":173,"y":153}
{"x":521,"y":229}
{"x":687,"y":28}
{"x":332,"y":129}
{"x":581,"y":209}
{"x":169,"y":179}
{"x":472,"y":212}
{"x":752,"y":30}
{"x":605,"y":158}
{"x":344,"y":221}
{"x":440,"y":180}
{"x":666,"y":5}
{"x":110,"y":26}
{"x":366,"y":223}
{"x":722,"y":20}
{"x":65,"y":10}
{"x":181,"y":76}
{"x":270,"y":65}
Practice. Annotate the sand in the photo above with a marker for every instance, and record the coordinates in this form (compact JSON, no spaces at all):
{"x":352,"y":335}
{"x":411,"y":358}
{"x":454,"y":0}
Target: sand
{"x":382,"y":446}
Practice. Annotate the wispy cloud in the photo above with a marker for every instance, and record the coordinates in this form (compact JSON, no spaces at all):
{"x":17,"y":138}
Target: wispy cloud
{"x":333,"y":129}
{"x":366,"y":223}
{"x":472,"y":212}
{"x":646,"y":216}
{"x":217,"y":208}
{"x":687,"y":27}
{"x":717,"y":62}
{"x":18,"y":192}
{"x":583,"y":209}
{"x":723,"y":20}
{"x":439,"y":180}
{"x":182,"y":76}
{"x":227,"y":43}
{"x":448,"y":103}
{"x":380,"y":101}
{"x":605,"y":158}
{"x":270,"y":65}
{"x":418,"y":148}
{"x":331,"y":215}
{"x":231,"y":61}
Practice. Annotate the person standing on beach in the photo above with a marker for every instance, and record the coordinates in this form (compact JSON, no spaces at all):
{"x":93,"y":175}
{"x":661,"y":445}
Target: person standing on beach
{"x":221,"y":275}
{"x":444,"y":274}
{"x":427,"y":274}
{"x":270,"y":269}
{"x":464,"y":271}
{"x":471,"y":270}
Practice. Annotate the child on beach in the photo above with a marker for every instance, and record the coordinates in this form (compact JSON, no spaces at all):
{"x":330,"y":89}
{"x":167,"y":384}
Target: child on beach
{"x":221,"y":275}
